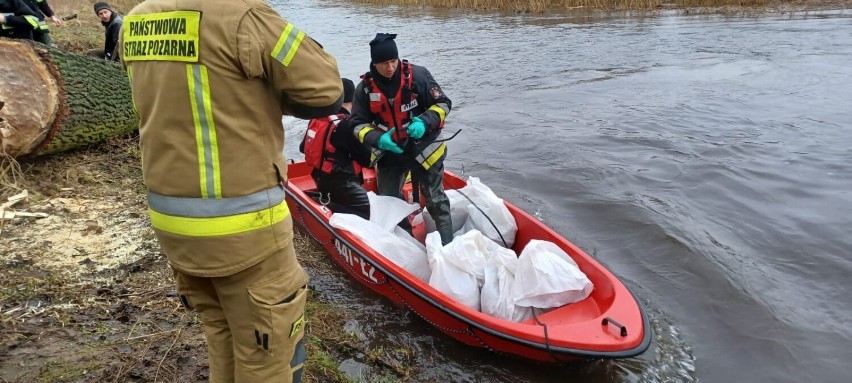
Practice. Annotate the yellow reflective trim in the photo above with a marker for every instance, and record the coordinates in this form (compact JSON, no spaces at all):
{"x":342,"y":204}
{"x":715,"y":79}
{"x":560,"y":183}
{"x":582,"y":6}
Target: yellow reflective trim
{"x":164,"y":36}
{"x":439,"y":110}
{"x":199,"y":134}
{"x":132,"y":99}
{"x":32,"y":20}
{"x":292,"y":51}
{"x":297,"y":325}
{"x":363,"y":132}
{"x":285,"y":34}
{"x":434,"y":156}
{"x":287,"y":45}
{"x":216,"y":226}
{"x":207,"y":145}
{"x":211,"y":131}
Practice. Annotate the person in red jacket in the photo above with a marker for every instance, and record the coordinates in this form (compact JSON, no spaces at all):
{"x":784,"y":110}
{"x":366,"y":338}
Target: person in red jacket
{"x":337,"y":158}
{"x":400,"y":109}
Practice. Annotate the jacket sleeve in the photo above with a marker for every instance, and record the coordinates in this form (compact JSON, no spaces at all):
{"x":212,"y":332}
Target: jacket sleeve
{"x":45,"y":8}
{"x":24,"y":23}
{"x":296,"y":66}
{"x":432,"y":97}
{"x":363,"y":128}
{"x":343,"y":138}
{"x":111,"y":41}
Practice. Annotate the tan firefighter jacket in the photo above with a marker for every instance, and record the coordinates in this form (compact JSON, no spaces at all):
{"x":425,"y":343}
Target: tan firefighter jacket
{"x":211,"y":80}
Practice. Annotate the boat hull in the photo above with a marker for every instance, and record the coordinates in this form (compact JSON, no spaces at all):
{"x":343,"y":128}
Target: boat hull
{"x":614,"y":332}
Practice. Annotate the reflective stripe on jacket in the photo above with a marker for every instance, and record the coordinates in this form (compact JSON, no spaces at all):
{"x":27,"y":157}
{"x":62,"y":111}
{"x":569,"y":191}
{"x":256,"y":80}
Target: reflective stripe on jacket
{"x":210,"y":92}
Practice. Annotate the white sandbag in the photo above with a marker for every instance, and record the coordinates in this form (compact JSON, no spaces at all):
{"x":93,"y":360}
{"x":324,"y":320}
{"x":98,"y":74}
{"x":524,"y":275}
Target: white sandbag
{"x":387,"y":211}
{"x":467,"y":217}
{"x":449,"y":278}
{"x":469,"y":252}
{"x":501,"y":226}
{"x":397,"y":246}
{"x":496,"y":293}
{"x":547,"y":277}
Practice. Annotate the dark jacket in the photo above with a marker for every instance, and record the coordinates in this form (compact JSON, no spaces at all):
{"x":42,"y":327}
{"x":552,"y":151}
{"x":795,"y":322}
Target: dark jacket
{"x":346,"y":147}
{"x":40,"y":8}
{"x":111,"y":35}
{"x":20,"y":20}
{"x":428,"y":93}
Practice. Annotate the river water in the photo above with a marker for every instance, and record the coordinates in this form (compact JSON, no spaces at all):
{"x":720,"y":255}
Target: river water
{"x":704,"y":159}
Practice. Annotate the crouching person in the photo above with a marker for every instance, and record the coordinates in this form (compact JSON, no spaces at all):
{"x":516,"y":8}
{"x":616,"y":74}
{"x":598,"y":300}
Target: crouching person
{"x":337,"y":158}
{"x":210,"y":92}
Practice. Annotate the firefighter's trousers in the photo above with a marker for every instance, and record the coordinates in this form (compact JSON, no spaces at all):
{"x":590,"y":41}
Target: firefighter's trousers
{"x":253,"y":320}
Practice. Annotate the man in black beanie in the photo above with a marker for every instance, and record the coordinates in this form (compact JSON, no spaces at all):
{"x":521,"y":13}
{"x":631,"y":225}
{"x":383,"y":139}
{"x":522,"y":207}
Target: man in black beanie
{"x":112,"y":23}
{"x":337,"y":158}
{"x":400,"y":109}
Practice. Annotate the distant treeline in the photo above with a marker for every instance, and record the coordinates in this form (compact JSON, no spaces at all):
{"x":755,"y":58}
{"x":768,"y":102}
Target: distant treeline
{"x":545,"y":5}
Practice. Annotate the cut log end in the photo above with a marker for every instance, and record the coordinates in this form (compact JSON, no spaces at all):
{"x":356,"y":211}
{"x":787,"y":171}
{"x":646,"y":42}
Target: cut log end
{"x":30,"y":96}
{"x":57,"y":100}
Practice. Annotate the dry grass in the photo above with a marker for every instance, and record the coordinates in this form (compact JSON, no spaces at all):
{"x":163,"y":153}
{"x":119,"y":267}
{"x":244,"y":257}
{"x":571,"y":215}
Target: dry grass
{"x":11,"y":176}
{"x":84,"y":32}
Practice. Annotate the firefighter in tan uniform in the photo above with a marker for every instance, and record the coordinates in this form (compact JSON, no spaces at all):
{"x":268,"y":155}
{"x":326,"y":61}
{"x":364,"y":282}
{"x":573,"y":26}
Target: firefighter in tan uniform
{"x":211,"y":80}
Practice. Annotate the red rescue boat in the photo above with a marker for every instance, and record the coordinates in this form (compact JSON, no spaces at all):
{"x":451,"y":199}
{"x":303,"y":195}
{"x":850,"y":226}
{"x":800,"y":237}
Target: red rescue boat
{"x":610,"y":323}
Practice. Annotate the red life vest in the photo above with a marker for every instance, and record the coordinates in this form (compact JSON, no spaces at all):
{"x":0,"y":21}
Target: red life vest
{"x":385,"y":115}
{"x":318,"y":148}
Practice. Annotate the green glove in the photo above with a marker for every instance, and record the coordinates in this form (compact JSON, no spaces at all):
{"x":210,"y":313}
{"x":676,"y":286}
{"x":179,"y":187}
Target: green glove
{"x":416,"y":128}
{"x":386,"y":142}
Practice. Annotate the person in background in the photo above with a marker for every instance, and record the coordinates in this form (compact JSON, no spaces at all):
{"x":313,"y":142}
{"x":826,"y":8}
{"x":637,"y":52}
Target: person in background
{"x":41,"y":9}
{"x":211,"y":80}
{"x":400,"y":109}
{"x":112,"y":23}
{"x":337,"y":159}
{"x":17,"y":20}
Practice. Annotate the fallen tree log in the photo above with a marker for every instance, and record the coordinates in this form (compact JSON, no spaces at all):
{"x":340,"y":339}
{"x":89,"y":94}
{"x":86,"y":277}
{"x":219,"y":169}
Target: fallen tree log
{"x":53,"y":101}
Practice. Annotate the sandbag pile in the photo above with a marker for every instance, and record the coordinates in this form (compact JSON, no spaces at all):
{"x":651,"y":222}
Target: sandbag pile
{"x":478,"y":268}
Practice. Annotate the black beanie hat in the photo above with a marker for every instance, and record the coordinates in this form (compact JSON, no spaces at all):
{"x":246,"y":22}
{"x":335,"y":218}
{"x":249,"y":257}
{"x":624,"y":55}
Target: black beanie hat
{"x":383,"y":48}
{"x":348,"y":90}
{"x":101,"y":5}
